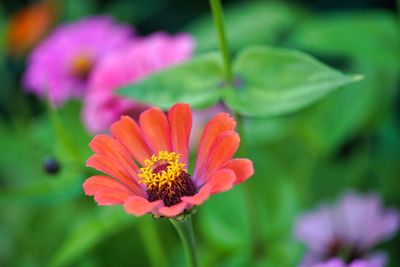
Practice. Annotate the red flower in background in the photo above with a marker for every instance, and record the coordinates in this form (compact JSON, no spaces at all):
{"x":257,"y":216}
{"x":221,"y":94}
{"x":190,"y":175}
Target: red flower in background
{"x":146,"y":164}
{"x":29,"y":25}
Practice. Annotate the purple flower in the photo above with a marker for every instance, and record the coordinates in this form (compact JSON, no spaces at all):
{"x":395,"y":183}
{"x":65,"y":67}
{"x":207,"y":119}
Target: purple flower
{"x":350,"y":227}
{"x":357,"y":263}
{"x":60,"y":65}
{"x":125,"y":65}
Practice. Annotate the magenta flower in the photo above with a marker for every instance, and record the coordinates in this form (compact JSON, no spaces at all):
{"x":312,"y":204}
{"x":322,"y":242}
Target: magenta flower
{"x":127,"y":65}
{"x":350,"y":227}
{"x":60,"y":65}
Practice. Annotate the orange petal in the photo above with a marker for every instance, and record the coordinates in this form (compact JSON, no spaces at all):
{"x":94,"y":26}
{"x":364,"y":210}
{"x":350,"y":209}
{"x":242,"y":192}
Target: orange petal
{"x":128,"y":133}
{"x":113,"y":167}
{"x":139,"y":206}
{"x":200,"y":197}
{"x":180,"y":120}
{"x":106,"y":145}
{"x":221,"y":122}
{"x":243,"y":169}
{"x":97,"y":183}
{"x":108,"y":197}
{"x":155,"y":128}
{"x":222,"y":150}
{"x":174,"y":210}
{"x":221,"y":181}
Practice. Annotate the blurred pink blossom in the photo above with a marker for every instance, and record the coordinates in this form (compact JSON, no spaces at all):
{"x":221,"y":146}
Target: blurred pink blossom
{"x":60,"y":65}
{"x":350,"y":227}
{"x":357,"y":263}
{"x":128,"y":65}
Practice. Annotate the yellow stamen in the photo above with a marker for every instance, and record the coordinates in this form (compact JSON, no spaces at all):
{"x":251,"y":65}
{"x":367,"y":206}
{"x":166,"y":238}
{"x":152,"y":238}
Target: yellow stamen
{"x":81,"y":65}
{"x":152,"y":178}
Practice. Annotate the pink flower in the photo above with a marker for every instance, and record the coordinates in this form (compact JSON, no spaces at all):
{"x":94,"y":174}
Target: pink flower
{"x":353,"y":225}
{"x":146,"y":164}
{"x":128,"y":65}
{"x":357,"y":263}
{"x":60,"y":65}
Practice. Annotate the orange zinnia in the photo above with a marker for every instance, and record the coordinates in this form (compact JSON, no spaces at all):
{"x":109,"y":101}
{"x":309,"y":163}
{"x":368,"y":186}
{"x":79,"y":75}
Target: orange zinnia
{"x":29,"y":25}
{"x":147,"y":163}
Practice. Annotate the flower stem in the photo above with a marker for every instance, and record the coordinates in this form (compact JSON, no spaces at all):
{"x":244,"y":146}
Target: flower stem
{"x":64,"y":139}
{"x":218,"y":16}
{"x":185,"y":232}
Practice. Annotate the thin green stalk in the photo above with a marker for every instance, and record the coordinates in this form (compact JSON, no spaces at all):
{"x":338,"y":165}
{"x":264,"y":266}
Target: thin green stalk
{"x":218,"y":16}
{"x":185,"y":232}
{"x":64,"y":139}
{"x":229,"y":77}
{"x":152,"y":244}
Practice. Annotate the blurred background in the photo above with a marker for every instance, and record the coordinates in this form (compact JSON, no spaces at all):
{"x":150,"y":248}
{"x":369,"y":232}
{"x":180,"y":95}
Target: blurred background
{"x":349,"y":140}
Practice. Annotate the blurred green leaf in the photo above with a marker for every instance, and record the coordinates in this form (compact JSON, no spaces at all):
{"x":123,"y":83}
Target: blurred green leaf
{"x":276,"y":81}
{"x":224,"y":222}
{"x":277,"y":185}
{"x":268,"y":130}
{"x":345,"y":110}
{"x":282,"y":252}
{"x":369,"y":36}
{"x":252,"y":22}
{"x":89,"y":231}
{"x":28,"y":145}
{"x":76,"y":9}
{"x":48,"y":190}
{"x":194,"y":82}
{"x":238,"y":258}
{"x":349,"y":111}
{"x":277,"y":191}
{"x":134,"y":12}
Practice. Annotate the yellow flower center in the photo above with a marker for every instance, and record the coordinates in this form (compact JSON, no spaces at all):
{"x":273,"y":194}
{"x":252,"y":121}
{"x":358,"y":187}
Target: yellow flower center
{"x":166,"y":178}
{"x":161,"y":169}
{"x":81,"y":66}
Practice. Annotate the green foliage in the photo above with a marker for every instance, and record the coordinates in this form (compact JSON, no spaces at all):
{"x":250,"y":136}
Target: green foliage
{"x":369,"y":36}
{"x":248,"y":23}
{"x":308,"y":140}
{"x":277,"y":81}
{"x":225,"y":222}
{"x":269,"y":82}
{"x":193,"y":82}
{"x":87,"y":232}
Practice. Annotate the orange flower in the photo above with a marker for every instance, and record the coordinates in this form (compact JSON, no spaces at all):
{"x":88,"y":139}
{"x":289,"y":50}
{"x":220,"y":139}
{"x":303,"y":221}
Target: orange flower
{"x":147,"y":163}
{"x":29,"y":25}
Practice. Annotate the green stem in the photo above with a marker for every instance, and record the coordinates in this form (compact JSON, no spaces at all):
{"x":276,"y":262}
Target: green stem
{"x":64,"y":139}
{"x":218,"y":16}
{"x":185,"y":232}
{"x":152,"y":244}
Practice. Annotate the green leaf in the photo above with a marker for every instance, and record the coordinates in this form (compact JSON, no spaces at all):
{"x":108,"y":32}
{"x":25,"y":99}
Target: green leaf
{"x":345,"y":115}
{"x":45,"y":191}
{"x":195,"y":82}
{"x":88,"y":232}
{"x":372,"y":37}
{"x":224,"y":220}
{"x":273,"y":19}
{"x":268,"y":130}
{"x":276,"y":81}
